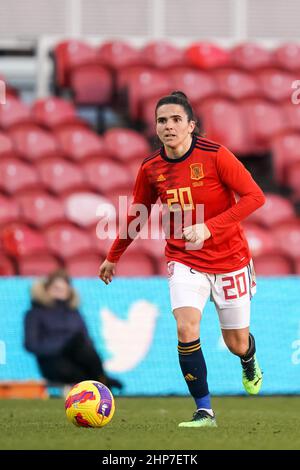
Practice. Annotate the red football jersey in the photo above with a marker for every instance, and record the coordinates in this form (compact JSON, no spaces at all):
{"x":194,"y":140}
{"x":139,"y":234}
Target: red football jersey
{"x":208,"y":175}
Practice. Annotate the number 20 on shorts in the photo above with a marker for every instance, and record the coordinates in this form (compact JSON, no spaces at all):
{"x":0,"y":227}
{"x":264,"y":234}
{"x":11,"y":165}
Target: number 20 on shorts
{"x":237,"y":283}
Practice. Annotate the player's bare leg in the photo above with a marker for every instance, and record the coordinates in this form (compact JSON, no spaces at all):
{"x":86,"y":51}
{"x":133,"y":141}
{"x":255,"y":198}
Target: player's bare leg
{"x":241,"y":343}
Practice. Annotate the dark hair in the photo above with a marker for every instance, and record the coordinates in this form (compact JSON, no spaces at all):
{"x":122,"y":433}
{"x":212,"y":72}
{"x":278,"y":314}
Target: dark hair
{"x":58,"y":274}
{"x":178,"y":97}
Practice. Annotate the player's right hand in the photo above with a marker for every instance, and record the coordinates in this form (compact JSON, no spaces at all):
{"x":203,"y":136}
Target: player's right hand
{"x":107,"y":271}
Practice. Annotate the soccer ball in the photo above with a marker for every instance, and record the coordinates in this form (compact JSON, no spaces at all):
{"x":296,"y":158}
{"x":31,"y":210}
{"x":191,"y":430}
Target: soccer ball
{"x":90,"y":404}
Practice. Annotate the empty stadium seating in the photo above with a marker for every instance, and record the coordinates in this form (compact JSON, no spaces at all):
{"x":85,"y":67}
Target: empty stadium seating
{"x":21,"y":240}
{"x":273,"y":265}
{"x":16,"y":175}
{"x":276,"y":210}
{"x":126,"y":145}
{"x":7,"y":267}
{"x":53,"y":112}
{"x":79,"y":143}
{"x":34,"y":143}
{"x":285,"y":152}
{"x":204,"y":55}
{"x":162,"y":54}
{"x":287,"y":56}
{"x":60,"y":175}
{"x":69,"y":54}
{"x":91,"y":85}
{"x":236,"y":84}
{"x":9,"y":210}
{"x":14,"y":112}
{"x":6,"y":146}
{"x":223,"y":122}
{"x":56,"y":171}
{"x":250,"y":56}
{"x":40,"y":209}
{"x":119,"y":54}
{"x":106,"y":176}
{"x":66,"y":240}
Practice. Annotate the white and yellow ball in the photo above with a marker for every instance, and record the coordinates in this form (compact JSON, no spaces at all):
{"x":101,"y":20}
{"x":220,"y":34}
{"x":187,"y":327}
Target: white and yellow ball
{"x":90,"y":404}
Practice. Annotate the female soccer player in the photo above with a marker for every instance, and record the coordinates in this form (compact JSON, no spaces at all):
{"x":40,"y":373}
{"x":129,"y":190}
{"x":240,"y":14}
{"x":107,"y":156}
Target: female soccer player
{"x":212,"y":257}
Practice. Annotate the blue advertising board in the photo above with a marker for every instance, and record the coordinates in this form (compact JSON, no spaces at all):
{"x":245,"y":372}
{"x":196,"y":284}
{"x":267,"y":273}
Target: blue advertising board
{"x":133,"y":329}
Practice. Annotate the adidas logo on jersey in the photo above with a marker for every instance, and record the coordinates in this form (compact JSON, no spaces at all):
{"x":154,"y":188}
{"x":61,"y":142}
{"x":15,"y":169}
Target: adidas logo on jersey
{"x":161,"y":178}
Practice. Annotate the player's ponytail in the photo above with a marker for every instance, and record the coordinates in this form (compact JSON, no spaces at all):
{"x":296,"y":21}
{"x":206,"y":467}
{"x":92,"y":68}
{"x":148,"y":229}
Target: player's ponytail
{"x":178,"y":97}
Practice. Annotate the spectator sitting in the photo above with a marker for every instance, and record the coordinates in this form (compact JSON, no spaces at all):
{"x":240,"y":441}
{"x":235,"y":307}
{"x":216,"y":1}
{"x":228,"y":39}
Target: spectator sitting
{"x":56,"y":333}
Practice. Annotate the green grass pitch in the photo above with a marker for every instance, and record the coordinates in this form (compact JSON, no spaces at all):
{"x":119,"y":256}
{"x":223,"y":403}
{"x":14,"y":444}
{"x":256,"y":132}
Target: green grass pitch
{"x":151,"y":424}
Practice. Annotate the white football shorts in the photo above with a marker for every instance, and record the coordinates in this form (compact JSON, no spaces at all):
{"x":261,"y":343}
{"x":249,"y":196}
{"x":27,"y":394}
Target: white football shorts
{"x":230,"y":292}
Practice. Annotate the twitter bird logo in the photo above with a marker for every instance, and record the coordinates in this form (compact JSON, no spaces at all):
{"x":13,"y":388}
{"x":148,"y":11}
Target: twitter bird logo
{"x":128,"y":340}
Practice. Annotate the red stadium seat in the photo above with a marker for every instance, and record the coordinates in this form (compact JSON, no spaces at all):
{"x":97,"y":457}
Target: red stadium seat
{"x":162,"y":54}
{"x":84,"y":266}
{"x":85,"y":208}
{"x":66,"y":240}
{"x":16,"y":175}
{"x":144,"y":85}
{"x":287,"y":56}
{"x":260,"y":240}
{"x":250,"y":56}
{"x":9,"y":210}
{"x":222,"y":121}
{"x":276,"y":209}
{"x":297,"y":266}
{"x":162,"y":267}
{"x":205,"y":55}
{"x":40,"y":265}
{"x":121,"y":199}
{"x":285,"y":152}
{"x":287,"y":238}
{"x":263,"y":120}
{"x":53,"y":112}
{"x":118,"y":54}
{"x":7,"y":267}
{"x":148,"y":117}
{"x":273,"y":265}
{"x":292,"y":115}
{"x":153,"y":247}
{"x":79,"y":143}
{"x":20,"y":240}
{"x":60,"y":175}
{"x":132,"y":265}
{"x":71,"y":53}
{"x":293,"y":180}
{"x":101,"y":244}
{"x":236,"y":84}
{"x":40,"y":209}
{"x":107,"y":176}
{"x":14,"y":112}
{"x":134,"y":166}
{"x":196,"y":84}
{"x":91,"y":85}
{"x":275,"y":84}
{"x":126,"y":144}
{"x":123,"y":76}
{"x":34,"y":143}
{"x":6,"y":146}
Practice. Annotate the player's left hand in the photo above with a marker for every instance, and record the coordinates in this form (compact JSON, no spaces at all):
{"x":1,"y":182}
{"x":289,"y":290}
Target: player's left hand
{"x":197,"y":233}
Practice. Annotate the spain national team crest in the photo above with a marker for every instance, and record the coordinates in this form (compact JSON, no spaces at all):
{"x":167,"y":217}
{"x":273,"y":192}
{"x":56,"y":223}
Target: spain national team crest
{"x":197,"y":172}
